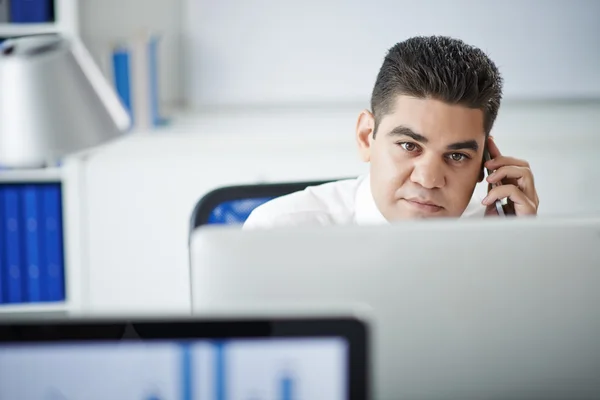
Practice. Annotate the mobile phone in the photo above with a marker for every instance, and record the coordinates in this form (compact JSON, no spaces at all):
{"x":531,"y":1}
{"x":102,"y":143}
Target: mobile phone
{"x":499,"y":208}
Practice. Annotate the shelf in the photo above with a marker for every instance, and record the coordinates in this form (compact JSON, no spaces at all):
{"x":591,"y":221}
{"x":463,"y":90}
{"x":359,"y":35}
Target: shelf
{"x":33,"y":310}
{"x":40,"y":175}
{"x":9,"y":30}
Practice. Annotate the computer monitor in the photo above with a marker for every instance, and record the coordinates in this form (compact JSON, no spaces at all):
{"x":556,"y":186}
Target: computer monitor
{"x":462,"y":309}
{"x":214,"y":358}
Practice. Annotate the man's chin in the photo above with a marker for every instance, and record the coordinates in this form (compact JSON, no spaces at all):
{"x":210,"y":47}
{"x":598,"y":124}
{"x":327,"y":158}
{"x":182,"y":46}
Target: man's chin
{"x":417,"y":215}
{"x":414,"y":216}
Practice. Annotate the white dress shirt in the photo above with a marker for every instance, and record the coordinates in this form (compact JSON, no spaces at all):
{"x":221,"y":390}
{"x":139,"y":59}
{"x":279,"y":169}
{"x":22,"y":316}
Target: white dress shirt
{"x":341,"y":202}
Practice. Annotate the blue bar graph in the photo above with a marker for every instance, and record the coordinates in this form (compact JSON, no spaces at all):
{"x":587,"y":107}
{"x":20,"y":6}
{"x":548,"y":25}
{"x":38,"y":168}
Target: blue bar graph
{"x":286,"y":383}
{"x":287,"y":388}
{"x":219,"y":371}
{"x":187,"y":371}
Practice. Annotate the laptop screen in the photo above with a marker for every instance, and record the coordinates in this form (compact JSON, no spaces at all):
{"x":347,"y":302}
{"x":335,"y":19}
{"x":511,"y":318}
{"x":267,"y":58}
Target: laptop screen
{"x":262,"y":368}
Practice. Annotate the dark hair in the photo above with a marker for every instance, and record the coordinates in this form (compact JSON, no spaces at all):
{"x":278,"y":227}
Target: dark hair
{"x":442,"y":68}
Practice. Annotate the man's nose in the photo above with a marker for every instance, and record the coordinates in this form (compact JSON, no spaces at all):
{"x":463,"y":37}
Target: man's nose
{"x":429,"y":172}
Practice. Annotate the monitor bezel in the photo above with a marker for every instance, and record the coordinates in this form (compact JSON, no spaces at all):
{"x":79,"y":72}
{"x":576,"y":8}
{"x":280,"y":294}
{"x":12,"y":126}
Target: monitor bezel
{"x":354,"y":331}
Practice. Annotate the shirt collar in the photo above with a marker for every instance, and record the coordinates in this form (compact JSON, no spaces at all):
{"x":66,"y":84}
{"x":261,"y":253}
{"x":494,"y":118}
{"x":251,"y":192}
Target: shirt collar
{"x":365,"y":209}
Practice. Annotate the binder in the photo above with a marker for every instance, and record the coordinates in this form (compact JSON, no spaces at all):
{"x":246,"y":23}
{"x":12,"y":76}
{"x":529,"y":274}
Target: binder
{"x":31,"y":11}
{"x":135,"y":78}
{"x":31,"y":238}
{"x":3,"y":268}
{"x":4,"y":12}
{"x":153,"y":81}
{"x":32,"y":266}
{"x":12,"y":245}
{"x":52,"y":270}
{"x":121,"y":63}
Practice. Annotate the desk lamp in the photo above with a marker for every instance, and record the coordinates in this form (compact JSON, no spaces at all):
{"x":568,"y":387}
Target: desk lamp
{"x":54,"y":101}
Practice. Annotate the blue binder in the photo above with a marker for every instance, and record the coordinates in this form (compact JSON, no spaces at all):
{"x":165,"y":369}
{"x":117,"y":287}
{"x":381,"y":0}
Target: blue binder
{"x":53,"y":267}
{"x":157,"y":120}
{"x":125,"y":83}
{"x":31,"y":11}
{"x":12,"y":229}
{"x":3,"y":268}
{"x":32,"y":267}
{"x":32,"y":241}
{"x":121,"y":60}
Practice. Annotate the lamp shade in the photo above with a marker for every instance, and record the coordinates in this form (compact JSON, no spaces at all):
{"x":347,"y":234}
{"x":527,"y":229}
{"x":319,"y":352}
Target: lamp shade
{"x":54,"y":101}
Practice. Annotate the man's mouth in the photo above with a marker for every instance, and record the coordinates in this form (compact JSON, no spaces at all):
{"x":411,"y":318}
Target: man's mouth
{"x":424,"y":204}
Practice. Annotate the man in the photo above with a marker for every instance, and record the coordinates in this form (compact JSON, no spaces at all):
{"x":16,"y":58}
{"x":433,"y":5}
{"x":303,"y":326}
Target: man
{"x":433,"y":106}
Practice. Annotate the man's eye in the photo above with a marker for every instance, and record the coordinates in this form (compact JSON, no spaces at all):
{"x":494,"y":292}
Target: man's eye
{"x":408,"y":146}
{"x":458,"y":157}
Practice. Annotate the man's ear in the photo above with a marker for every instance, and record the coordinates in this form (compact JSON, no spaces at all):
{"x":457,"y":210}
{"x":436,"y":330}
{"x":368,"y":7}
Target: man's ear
{"x":364,"y":134}
{"x":482,"y":172}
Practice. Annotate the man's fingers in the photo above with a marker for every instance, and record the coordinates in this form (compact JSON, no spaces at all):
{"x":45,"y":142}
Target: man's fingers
{"x":516,"y":178}
{"x":523,"y":205}
{"x":522,"y":176}
{"x":502,"y":161}
{"x":510,"y":172}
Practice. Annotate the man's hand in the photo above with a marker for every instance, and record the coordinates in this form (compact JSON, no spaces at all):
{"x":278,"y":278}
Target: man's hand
{"x":517,"y":184}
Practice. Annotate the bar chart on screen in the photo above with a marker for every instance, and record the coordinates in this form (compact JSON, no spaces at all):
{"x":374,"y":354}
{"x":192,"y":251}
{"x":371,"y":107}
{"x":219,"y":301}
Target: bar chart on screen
{"x":228,"y":370}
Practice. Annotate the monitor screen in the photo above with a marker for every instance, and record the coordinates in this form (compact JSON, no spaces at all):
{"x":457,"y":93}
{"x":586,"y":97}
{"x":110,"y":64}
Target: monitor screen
{"x":203,"y":369}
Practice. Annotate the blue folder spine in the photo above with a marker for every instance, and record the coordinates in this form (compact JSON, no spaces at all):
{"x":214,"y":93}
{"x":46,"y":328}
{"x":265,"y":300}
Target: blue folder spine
{"x":3,"y":267}
{"x":53,"y":268}
{"x":31,"y":11}
{"x":32,"y":242}
{"x":32,"y":262}
{"x":121,"y":60}
{"x":153,"y":84}
{"x":14,"y":279}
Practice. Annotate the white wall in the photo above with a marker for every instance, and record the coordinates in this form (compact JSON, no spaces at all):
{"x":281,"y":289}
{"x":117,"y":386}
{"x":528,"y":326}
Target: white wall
{"x":268,"y":51}
{"x":314,"y":51}
{"x":140,"y":192}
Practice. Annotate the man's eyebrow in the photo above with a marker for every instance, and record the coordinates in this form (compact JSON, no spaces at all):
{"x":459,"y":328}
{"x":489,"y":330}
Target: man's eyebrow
{"x":405,"y":131}
{"x":466,"y":145}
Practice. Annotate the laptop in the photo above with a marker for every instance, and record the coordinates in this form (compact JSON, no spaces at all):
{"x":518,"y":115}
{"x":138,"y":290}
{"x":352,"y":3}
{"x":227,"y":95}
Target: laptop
{"x":209,"y":358}
{"x":461,"y":309}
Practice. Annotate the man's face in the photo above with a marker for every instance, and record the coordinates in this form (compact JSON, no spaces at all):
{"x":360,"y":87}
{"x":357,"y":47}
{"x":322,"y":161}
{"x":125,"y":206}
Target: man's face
{"x":425,"y":159}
